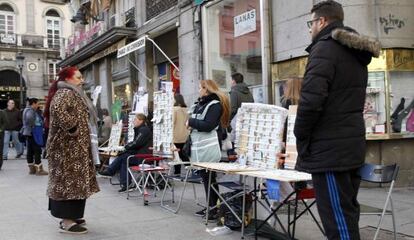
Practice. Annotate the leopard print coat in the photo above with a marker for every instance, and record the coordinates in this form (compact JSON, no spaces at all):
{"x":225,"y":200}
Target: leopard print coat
{"x":71,"y":168}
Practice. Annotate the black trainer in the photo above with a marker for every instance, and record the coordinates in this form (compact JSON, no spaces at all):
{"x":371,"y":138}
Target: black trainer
{"x":201,"y":213}
{"x":105,"y":173}
{"x":124,"y":188}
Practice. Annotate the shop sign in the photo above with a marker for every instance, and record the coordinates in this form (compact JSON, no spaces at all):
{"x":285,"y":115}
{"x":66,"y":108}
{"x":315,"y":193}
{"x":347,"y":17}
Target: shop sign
{"x":400,"y":59}
{"x":8,"y":38}
{"x":245,"y":23}
{"x":113,"y":48}
{"x":135,"y":45}
{"x":9,"y":88}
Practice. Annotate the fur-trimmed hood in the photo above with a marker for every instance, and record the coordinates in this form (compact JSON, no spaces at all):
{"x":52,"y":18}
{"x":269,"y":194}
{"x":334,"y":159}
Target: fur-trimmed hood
{"x":352,"y":39}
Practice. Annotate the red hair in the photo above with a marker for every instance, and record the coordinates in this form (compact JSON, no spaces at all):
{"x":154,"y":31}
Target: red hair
{"x":65,"y":73}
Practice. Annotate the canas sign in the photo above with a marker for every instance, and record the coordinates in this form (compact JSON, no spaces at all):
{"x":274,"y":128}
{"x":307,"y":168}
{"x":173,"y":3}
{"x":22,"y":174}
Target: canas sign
{"x":245,"y":23}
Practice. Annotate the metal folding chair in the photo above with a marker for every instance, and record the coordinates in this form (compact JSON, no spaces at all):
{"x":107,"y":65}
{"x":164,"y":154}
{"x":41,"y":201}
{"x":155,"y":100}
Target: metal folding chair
{"x":302,"y":195}
{"x":187,"y":178}
{"x":147,"y":173}
{"x":381,"y":174}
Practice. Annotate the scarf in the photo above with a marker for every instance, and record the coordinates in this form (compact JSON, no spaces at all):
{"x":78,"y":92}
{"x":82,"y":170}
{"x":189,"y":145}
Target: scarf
{"x":93,"y":117}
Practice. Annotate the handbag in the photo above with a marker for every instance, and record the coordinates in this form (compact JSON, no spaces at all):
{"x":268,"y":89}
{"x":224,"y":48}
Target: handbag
{"x":187,"y":146}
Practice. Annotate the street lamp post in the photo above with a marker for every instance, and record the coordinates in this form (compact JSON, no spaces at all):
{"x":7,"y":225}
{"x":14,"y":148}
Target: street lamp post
{"x":20,"y":65}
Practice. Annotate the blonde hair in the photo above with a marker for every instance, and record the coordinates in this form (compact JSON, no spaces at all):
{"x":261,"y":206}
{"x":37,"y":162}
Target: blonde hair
{"x":141,"y":116}
{"x":292,"y":90}
{"x":212,"y":88}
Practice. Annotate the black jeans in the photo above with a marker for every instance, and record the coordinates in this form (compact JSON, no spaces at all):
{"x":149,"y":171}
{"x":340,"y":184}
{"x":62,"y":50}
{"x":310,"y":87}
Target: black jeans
{"x":213,"y":195}
{"x":33,"y":151}
{"x":184,"y":158}
{"x":338,"y":207}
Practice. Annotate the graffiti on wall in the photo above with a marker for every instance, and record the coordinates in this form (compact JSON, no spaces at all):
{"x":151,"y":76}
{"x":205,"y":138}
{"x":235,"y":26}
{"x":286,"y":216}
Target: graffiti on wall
{"x":391,"y":22}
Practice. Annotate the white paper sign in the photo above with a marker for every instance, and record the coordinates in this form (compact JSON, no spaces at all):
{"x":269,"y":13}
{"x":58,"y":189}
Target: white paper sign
{"x":140,"y":104}
{"x":245,"y":23}
{"x":95,"y":94}
{"x":135,"y":45}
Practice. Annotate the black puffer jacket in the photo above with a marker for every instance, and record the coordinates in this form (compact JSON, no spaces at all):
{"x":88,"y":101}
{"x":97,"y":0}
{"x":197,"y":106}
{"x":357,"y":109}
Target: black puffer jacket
{"x":329,"y":126}
{"x":142,"y":141}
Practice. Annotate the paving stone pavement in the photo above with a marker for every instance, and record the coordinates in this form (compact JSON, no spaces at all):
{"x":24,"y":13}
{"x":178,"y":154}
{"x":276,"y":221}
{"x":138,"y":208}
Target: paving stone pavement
{"x":109,"y":215}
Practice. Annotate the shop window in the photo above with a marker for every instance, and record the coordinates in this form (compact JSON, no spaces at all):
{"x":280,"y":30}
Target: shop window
{"x":233,"y":41}
{"x":402,"y":101}
{"x":374,"y":108}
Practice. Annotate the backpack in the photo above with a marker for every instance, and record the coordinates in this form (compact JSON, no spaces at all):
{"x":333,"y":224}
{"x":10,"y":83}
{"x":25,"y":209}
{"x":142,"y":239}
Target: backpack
{"x":227,"y":218}
{"x":38,"y":131}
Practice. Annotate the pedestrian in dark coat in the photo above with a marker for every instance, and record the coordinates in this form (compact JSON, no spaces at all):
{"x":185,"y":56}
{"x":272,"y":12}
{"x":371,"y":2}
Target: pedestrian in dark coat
{"x":12,"y":129}
{"x":239,"y":94}
{"x":329,"y":124}
{"x":140,"y":145}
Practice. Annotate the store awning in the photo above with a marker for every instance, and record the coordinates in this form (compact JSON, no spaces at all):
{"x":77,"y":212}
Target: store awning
{"x":100,"y":43}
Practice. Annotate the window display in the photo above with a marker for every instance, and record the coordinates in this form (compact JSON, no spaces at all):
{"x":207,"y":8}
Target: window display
{"x":374,"y":109}
{"x":402,"y":101}
{"x":233,"y":41}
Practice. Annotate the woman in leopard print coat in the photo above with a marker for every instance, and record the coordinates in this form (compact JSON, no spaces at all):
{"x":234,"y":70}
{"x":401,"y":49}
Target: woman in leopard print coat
{"x":72,"y":177}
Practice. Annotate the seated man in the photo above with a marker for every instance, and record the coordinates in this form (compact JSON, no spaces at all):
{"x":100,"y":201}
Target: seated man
{"x":140,"y":145}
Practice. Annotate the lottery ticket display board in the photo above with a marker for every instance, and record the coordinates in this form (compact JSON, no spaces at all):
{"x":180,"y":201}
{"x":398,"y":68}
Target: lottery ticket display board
{"x":162,"y":121}
{"x":114,"y":138}
{"x":131,"y":118}
{"x":259,"y":134}
{"x":292,"y":153}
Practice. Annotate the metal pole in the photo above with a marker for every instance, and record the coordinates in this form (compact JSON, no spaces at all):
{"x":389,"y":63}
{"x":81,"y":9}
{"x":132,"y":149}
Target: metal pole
{"x":21,"y":88}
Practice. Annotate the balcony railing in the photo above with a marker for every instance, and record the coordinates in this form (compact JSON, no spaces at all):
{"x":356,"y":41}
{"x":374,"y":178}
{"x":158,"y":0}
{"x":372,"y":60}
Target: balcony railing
{"x":33,"y":41}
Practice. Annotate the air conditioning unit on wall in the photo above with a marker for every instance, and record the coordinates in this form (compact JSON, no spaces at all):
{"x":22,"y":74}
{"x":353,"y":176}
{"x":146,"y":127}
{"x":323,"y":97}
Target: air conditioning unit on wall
{"x":114,"y":20}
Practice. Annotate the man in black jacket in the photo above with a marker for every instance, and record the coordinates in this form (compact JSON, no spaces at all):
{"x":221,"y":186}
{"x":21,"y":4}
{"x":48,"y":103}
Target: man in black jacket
{"x":140,"y":145}
{"x":14,"y":117}
{"x":329,"y":124}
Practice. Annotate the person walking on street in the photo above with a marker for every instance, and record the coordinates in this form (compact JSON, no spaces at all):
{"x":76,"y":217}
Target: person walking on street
{"x":3,"y":123}
{"x":239,"y":94}
{"x":34,"y":151}
{"x":12,"y":129}
{"x":70,"y":150}
{"x":180,"y":118}
{"x":329,"y":127}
